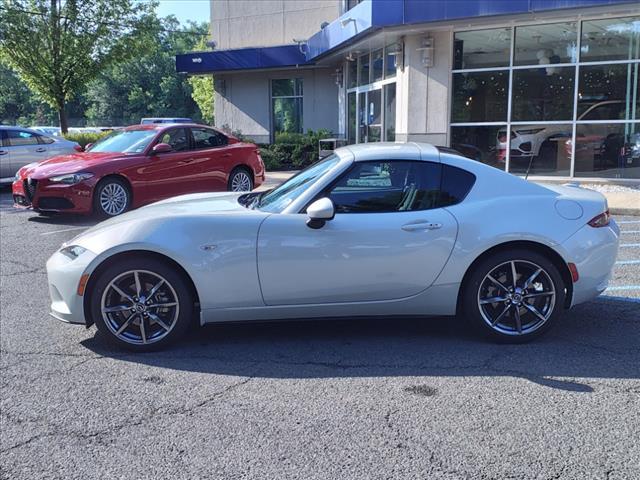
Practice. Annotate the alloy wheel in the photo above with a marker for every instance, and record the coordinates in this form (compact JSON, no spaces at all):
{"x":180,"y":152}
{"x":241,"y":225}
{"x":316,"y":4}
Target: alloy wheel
{"x":140,"y":307}
{"x":240,"y":182}
{"x":516,"y":297}
{"x":113,"y":199}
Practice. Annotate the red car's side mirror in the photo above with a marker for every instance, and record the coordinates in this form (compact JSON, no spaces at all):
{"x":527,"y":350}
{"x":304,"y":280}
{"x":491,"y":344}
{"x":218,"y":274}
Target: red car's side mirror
{"x":161,"y":148}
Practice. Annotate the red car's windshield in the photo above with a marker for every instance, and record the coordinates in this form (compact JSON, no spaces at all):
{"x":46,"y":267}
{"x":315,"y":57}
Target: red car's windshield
{"x":125,"y":141}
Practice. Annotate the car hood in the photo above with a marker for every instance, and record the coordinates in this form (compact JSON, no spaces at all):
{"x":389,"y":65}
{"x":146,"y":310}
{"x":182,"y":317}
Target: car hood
{"x":70,"y":163}
{"x":136,"y":225}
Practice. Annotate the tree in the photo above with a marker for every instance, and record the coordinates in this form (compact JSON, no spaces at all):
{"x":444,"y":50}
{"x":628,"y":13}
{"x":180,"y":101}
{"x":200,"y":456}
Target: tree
{"x":203,"y":91}
{"x":58,"y":46}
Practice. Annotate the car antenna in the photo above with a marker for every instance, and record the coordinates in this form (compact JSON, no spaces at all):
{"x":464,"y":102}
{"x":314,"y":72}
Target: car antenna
{"x":529,"y":168}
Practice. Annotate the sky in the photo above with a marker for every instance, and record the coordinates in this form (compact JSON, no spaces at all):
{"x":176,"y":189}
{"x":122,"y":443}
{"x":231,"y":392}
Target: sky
{"x":184,"y":10}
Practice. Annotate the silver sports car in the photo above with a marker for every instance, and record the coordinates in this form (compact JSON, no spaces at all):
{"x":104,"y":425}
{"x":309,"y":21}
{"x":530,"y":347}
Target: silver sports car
{"x":384,"y":229}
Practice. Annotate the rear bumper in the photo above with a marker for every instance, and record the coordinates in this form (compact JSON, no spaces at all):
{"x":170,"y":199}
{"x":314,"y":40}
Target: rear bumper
{"x":54,"y":197}
{"x":63,"y":276}
{"x":594,"y":252}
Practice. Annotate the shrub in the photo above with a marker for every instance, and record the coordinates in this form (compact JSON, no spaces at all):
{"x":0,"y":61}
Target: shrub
{"x":86,"y":137}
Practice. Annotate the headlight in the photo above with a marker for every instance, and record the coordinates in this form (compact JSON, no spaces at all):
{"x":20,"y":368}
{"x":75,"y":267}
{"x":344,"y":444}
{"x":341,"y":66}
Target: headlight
{"x":71,"y":178}
{"x":530,"y":131}
{"x":73,"y":251}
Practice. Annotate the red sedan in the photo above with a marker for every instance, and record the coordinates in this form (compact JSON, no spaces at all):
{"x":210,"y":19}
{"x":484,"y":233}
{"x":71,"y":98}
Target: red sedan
{"x":139,"y":165}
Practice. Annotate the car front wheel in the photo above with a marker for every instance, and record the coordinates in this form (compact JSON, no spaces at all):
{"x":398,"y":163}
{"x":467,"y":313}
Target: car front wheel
{"x":111,"y":197}
{"x":240,"y":180}
{"x":514,"y":296}
{"x":141,"y":304}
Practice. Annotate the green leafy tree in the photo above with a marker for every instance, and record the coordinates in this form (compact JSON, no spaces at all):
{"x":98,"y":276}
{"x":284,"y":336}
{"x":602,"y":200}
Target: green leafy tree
{"x":203,"y":91}
{"x":58,"y":46}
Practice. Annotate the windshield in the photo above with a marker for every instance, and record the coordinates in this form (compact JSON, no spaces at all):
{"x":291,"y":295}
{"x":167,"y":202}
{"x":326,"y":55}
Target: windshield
{"x":279,"y":198}
{"x":125,"y":141}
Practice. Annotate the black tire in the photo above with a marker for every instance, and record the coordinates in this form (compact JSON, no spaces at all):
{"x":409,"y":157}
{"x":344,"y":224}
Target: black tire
{"x":478,"y":287}
{"x":240,"y":173}
{"x":177,"y":318}
{"x":113,"y":184}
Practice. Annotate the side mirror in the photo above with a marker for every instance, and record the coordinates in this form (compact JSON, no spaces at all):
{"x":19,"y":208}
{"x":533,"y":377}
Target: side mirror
{"x":161,"y":148}
{"x":319,"y":212}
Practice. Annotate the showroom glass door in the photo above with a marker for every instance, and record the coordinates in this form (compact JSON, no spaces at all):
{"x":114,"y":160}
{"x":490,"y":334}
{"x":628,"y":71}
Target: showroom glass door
{"x":370,"y":116}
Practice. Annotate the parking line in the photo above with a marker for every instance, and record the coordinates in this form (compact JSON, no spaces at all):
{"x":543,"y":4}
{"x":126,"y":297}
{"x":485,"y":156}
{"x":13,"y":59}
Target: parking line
{"x":628,"y":221}
{"x":65,"y":230}
{"x":628,"y":262}
{"x":629,"y":245}
{"x":623,"y":287}
{"x":629,"y":231}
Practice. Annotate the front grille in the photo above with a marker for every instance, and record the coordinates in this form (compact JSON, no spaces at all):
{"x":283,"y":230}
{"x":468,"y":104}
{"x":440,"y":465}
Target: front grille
{"x":54,"y":203}
{"x":30,"y":186}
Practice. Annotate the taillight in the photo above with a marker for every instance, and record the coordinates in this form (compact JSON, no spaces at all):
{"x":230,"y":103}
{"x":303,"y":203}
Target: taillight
{"x":601,"y":220}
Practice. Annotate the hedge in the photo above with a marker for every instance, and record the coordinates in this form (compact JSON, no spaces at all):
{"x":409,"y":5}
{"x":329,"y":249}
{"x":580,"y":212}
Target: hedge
{"x":86,"y":137}
{"x":292,"y":151}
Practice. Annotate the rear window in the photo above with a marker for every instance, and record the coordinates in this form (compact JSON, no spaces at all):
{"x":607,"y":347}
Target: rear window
{"x":455,"y":186}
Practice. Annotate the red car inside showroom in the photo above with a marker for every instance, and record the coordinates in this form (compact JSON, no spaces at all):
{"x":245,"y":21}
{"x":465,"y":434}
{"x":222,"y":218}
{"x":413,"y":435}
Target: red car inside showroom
{"x":137,"y":166}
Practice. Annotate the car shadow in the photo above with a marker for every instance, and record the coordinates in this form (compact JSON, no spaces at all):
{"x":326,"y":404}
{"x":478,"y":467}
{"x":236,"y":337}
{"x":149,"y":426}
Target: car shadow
{"x":598,"y":340}
{"x":65,"y":220}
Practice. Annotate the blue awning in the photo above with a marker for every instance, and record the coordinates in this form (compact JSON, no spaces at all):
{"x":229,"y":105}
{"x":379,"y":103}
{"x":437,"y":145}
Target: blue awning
{"x":240,"y":59}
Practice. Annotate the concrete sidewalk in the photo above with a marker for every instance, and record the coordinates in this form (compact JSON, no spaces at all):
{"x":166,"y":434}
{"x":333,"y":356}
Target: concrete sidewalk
{"x":623,"y":200}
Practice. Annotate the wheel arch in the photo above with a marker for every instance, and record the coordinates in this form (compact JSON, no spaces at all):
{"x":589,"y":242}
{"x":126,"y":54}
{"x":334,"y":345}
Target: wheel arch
{"x":119,"y":176}
{"x":541,"y":248}
{"x":107,"y":262}
{"x":243,"y":166}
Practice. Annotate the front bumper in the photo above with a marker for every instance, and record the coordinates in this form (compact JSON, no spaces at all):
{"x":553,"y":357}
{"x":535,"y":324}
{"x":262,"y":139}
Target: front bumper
{"x":63,"y":276}
{"x":594,"y":251}
{"x":46,"y":196}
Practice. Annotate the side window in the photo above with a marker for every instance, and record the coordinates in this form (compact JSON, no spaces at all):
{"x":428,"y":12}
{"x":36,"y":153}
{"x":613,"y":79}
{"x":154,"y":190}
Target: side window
{"x":177,"y":138}
{"x":387,"y":186}
{"x":18,"y":138}
{"x":456,"y":184}
{"x":207,"y":138}
{"x":3,"y":141}
{"x":45,"y":140}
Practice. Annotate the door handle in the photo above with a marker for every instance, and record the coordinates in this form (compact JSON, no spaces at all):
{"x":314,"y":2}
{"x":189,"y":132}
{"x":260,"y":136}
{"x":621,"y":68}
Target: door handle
{"x":3,"y":152}
{"x":412,"y":227}
{"x":188,"y":160}
{"x":41,"y":149}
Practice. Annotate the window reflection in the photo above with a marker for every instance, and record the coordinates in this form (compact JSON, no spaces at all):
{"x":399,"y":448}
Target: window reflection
{"x":610,"y":39}
{"x":607,"y":92}
{"x":480,"y":97}
{"x":478,"y":143}
{"x":377,"y":67}
{"x":546,"y":44}
{"x":482,"y":48}
{"x":538,"y":149}
{"x":607,"y":150}
{"x":543,"y":94}
{"x":363,"y":70}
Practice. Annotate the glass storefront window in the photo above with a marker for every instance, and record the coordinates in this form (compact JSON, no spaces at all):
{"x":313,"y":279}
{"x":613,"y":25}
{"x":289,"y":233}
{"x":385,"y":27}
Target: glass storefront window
{"x":377,"y":65}
{"x":538,"y":149}
{"x":607,"y":150}
{"x":546,"y":44}
{"x":479,"y":143}
{"x":480,"y":97}
{"x":363,"y":70}
{"x":286,"y":105}
{"x":482,"y":48}
{"x":352,"y":74}
{"x":607,"y":92}
{"x":543,"y":94}
{"x":286,"y":87}
{"x":610,"y":39}
{"x":390,"y":112}
{"x":351,"y":117}
{"x":393,"y":53}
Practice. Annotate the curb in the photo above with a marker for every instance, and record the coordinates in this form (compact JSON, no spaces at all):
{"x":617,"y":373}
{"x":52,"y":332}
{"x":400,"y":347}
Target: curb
{"x":624,"y":211}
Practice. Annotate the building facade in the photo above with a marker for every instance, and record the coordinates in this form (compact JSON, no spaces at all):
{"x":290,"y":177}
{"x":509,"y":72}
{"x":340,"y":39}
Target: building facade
{"x":548,"y":87}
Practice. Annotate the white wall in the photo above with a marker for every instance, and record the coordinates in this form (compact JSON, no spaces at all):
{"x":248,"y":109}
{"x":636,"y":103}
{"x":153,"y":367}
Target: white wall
{"x":261,"y":23}
{"x":244,"y":103}
{"x":422,"y":109}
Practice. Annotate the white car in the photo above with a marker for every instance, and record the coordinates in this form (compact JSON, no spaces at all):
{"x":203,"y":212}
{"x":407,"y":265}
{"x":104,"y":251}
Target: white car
{"x":374,"y":229}
{"x":22,"y":146}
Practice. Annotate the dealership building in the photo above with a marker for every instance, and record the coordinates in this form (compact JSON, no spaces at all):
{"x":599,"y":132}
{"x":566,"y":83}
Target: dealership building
{"x":546,"y":86}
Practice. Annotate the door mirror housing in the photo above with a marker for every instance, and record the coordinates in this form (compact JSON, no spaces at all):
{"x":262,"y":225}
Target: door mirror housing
{"x":320,"y":212}
{"x":161,"y":148}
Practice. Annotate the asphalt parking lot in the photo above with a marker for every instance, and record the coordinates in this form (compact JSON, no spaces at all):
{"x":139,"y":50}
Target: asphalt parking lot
{"x":314,"y":400}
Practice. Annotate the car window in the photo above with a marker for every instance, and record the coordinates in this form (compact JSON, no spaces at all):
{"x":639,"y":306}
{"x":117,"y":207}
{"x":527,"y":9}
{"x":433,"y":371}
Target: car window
{"x":3,"y":142}
{"x":207,"y":138}
{"x":18,"y":138}
{"x":177,"y":138}
{"x":387,"y":186}
{"x":456,"y":184}
{"x":124,"y":141}
{"x":45,"y":140}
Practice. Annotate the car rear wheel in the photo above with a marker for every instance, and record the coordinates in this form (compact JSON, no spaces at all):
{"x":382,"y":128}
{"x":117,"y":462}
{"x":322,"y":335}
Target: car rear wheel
{"x":141,"y":304}
{"x":514,"y":296}
{"x":112,"y":197}
{"x":240,"y":180}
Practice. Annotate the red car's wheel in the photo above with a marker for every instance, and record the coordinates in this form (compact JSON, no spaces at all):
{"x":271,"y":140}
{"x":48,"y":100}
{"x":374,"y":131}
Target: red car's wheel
{"x":111,"y":197}
{"x":240,"y":180}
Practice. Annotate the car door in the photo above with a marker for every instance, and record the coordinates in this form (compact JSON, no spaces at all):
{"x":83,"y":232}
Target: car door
{"x":5,"y":158}
{"x":23,"y":147}
{"x":388,"y":239}
{"x":213,"y":158}
{"x":172,"y":173}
